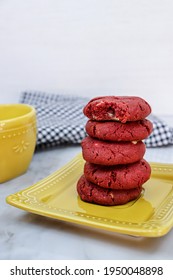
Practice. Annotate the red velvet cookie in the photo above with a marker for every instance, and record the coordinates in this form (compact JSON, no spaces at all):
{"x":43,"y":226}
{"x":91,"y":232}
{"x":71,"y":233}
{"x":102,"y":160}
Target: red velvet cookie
{"x":117,"y":131}
{"x":92,"y":193}
{"x":118,"y":176}
{"x":111,"y":153}
{"x":117,"y":108}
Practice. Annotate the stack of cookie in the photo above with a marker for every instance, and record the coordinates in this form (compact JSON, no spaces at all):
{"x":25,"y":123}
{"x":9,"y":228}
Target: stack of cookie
{"x":115,"y":170}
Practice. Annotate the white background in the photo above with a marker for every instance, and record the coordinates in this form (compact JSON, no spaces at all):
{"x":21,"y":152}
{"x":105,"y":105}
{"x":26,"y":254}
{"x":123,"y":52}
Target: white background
{"x":88,"y":47}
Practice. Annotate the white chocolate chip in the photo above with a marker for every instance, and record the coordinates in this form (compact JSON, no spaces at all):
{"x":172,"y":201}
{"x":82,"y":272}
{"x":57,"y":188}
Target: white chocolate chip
{"x":134,"y":142}
{"x":111,"y":194}
{"x":110,"y":114}
{"x":98,"y":104}
{"x":116,"y":119}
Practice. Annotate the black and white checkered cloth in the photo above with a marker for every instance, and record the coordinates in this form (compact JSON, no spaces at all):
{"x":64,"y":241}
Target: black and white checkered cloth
{"x":60,"y":120}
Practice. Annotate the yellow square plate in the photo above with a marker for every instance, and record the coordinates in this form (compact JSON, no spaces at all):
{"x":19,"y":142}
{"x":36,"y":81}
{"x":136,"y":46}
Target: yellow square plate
{"x":150,"y":215}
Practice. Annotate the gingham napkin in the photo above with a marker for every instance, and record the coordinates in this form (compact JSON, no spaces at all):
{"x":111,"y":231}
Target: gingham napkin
{"x":60,"y":120}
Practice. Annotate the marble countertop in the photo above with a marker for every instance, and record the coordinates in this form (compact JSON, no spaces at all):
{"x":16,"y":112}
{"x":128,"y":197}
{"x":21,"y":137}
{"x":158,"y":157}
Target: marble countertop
{"x":28,"y":236}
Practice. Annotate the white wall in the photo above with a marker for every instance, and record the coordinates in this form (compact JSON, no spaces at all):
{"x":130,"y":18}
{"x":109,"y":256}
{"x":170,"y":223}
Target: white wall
{"x":88,"y":47}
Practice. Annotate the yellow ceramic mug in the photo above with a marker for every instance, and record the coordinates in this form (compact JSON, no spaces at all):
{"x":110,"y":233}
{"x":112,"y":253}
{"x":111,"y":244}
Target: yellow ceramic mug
{"x":17,"y":139}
